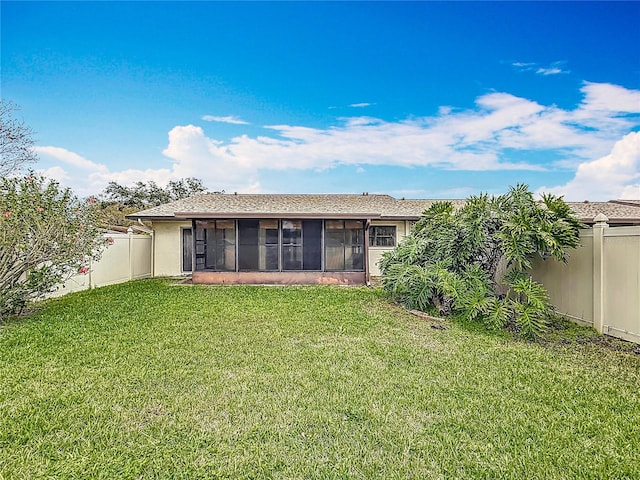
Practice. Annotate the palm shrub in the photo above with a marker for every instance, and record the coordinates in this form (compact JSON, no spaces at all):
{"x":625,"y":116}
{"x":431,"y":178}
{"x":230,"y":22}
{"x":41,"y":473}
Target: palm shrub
{"x":454,"y":260}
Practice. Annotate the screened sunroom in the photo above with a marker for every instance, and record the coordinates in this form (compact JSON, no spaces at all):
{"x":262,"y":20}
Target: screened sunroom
{"x":275,"y":250}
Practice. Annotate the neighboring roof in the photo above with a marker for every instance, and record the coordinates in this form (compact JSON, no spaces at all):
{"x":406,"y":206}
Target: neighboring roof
{"x":615,"y":211}
{"x":374,"y":206}
{"x":635,"y":203}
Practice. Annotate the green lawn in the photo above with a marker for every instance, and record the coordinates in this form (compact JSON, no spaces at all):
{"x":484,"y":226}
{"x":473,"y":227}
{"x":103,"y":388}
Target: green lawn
{"x":150,"y":380}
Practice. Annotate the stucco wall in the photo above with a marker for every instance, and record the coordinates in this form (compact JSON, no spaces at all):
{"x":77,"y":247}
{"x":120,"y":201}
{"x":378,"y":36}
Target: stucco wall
{"x":168,"y":248}
{"x":403,"y":228}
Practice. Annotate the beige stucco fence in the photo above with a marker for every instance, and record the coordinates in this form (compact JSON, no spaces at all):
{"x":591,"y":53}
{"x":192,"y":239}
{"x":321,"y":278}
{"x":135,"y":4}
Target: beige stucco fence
{"x":600,"y":285}
{"x":127,"y":257}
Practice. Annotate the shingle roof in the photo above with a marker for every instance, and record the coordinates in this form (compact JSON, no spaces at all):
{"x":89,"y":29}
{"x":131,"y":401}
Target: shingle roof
{"x":635,"y":203}
{"x":287,"y":205}
{"x":216,"y":205}
{"x":616,"y":212}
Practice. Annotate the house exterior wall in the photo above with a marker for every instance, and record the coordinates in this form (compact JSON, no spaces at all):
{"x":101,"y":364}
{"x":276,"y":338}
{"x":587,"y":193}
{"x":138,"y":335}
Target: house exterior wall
{"x":168,"y":248}
{"x":403,"y":228}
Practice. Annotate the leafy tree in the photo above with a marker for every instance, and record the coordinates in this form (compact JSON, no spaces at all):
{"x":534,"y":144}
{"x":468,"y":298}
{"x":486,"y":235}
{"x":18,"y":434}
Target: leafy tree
{"x":453,"y":259}
{"x":148,"y":194}
{"x":185,"y":187}
{"x":16,"y":141}
{"x":116,"y":201}
{"x":46,"y":235}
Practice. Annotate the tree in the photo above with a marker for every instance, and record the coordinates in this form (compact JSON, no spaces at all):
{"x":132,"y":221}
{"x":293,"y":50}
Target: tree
{"x":185,"y":187}
{"x":16,"y":141}
{"x":145,"y":195}
{"x":46,"y":235}
{"x":453,"y":259}
{"x":116,"y":201}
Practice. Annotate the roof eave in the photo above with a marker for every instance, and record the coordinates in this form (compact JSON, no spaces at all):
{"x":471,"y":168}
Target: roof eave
{"x":400,"y":217}
{"x":254,"y":215}
{"x":150,"y":218}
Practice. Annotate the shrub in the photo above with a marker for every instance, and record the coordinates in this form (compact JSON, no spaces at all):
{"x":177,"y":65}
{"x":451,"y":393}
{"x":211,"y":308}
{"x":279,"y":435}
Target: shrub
{"x":453,"y":259}
{"x":46,"y":235}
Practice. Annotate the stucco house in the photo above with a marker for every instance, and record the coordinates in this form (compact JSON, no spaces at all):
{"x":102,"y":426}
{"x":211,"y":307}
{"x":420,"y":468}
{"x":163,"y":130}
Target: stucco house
{"x":296,"y":239}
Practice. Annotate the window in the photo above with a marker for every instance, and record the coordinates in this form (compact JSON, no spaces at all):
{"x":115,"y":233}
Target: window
{"x":382,"y":236}
{"x":187,"y":249}
{"x":215,"y":245}
{"x":344,"y":245}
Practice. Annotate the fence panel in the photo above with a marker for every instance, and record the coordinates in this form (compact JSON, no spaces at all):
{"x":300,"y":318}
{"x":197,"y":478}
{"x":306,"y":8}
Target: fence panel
{"x":570,"y":285}
{"x":600,"y":285}
{"x":140,"y":256}
{"x":74,"y":284}
{"x":621,"y":278}
{"x":113,"y":266}
{"x":127,"y":257}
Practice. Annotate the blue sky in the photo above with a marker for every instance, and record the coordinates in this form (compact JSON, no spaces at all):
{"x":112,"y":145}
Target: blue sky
{"x":418,"y":99}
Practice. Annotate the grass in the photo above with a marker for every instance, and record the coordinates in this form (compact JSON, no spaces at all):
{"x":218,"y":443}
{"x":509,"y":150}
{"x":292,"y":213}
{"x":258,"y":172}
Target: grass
{"x":149,"y":380}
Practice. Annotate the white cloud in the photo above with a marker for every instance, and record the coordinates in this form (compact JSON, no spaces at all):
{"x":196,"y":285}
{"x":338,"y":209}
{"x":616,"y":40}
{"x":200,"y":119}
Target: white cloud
{"x":482,"y":138}
{"x":228,"y":119}
{"x":193,"y":155}
{"x":610,"y":98}
{"x":524,"y":66}
{"x":70,"y":158}
{"x":84,"y":176}
{"x":616,"y":175}
{"x":56,"y":173}
{"x":197,"y":155}
{"x":550,"y":71}
{"x":555,"y":68}
{"x":360,"y":105}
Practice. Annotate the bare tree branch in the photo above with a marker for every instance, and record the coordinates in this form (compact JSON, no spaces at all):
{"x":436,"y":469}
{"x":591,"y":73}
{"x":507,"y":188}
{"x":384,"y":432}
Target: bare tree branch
{"x":16,"y":141}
